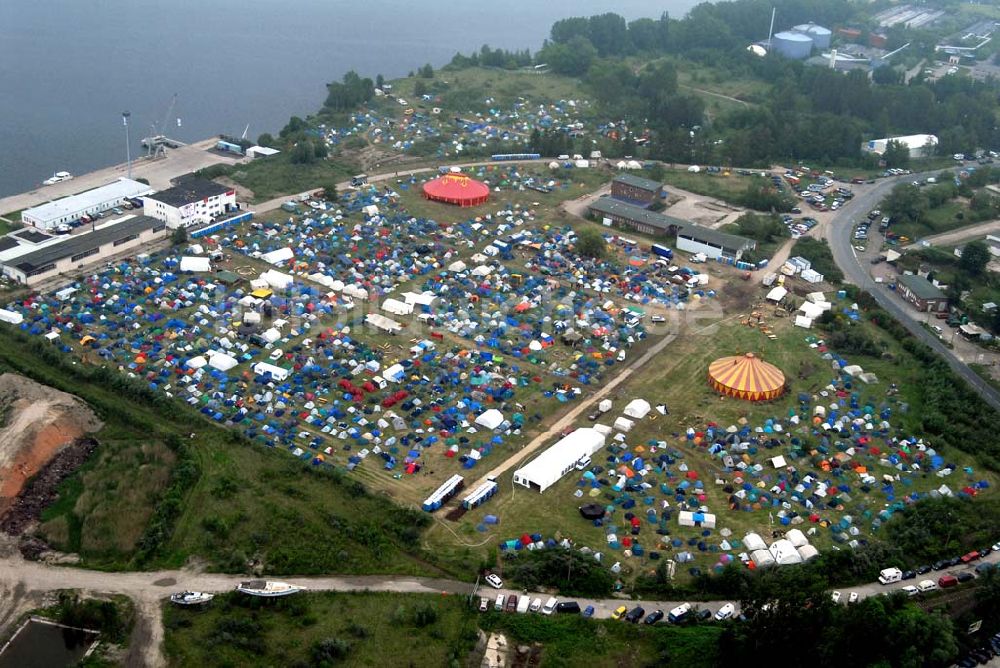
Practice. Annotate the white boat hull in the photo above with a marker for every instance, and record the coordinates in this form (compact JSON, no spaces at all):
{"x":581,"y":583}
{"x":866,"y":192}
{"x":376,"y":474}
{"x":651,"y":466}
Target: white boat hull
{"x":265,"y":589}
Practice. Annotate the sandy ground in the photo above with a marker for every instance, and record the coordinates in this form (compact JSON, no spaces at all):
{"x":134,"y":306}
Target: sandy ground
{"x":40,"y":422}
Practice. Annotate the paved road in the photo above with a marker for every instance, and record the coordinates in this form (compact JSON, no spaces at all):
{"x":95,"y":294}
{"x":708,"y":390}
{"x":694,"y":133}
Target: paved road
{"x":839,"y":234}
{"x":959,"y":235}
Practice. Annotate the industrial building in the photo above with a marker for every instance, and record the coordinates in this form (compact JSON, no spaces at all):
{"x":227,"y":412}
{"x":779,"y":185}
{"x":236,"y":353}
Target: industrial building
{"x":28,"y":256}
{"x":612,"y":211}
{"x":546,"y":469}
{"x":65,"y":210}
{"x":924,"y":295}
{"x":191,"y":202}
{"x":713,"y":243}
{"x":921,"y":146}
{"x":635,"y":189}
{"x":792,"y":44}
{"x":819,"y":35}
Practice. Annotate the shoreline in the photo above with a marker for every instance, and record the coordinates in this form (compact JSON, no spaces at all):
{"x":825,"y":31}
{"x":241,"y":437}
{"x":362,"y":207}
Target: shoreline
{"x":159,"y":172}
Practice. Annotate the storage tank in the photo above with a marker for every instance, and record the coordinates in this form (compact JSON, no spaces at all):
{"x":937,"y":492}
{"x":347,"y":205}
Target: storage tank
{"x":792,"y":44}
{"x":819,"y":35}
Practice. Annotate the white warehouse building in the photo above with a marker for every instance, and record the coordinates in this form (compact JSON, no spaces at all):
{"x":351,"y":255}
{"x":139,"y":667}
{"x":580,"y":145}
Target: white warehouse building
{"x":65,"y":210}
{"x":546,"y":469}
{"x":191,"y":202}
{"x":921,"y":146}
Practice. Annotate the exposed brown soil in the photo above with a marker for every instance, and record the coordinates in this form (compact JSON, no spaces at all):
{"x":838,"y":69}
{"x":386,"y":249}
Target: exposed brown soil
{"x":39,"y":423}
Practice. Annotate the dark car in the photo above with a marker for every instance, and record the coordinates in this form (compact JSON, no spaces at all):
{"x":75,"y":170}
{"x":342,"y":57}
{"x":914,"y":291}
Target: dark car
{"x":938,"y":565}
{"x":954,"y":561}
{"x":635,"y":614}
{"x":704,"y":615}
{"x":908,"y":575}
{"x":511,"y":603}
{"x":568,"y":606}
{"x":653,"y":617}
{"x":965,"y":576}
{"x":923,"y":570}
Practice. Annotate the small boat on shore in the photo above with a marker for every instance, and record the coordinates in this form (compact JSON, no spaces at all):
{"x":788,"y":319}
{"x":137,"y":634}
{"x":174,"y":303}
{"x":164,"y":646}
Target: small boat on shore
{"x":191,"y":598}
{"x":268,"y":588}
{"x":57,"y":178}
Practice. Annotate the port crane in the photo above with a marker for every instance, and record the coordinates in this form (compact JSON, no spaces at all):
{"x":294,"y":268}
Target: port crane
{"x":158,"y":142}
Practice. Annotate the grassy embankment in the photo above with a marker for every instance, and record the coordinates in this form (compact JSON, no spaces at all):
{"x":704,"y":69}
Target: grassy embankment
{"x":164,"y":497}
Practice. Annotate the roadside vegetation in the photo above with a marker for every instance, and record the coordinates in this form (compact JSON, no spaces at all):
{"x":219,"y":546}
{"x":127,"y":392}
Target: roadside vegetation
{"x":322,"y":629}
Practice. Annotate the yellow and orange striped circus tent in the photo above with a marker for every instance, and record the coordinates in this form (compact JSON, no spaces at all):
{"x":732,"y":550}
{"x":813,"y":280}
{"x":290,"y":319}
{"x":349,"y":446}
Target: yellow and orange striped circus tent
{"x":746,"y":377}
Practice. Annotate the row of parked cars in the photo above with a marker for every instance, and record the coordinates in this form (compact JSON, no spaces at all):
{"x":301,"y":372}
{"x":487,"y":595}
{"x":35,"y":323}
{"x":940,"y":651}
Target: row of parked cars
{"x":679,"y":615}
{"x":891,"y":575}
{"x":981,"y":655}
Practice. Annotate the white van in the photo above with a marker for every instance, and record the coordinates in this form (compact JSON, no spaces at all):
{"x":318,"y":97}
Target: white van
{"x":890,"y":575}
{"x":550,"y":606}
{"x":536,"y":605}
{"x":522,"y":604}
{"x":927,"y":585}
{"x":501,"y":600}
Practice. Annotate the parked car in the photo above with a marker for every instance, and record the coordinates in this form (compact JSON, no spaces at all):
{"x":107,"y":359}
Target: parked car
{"x":923,"y":570}
{"x":725,"y":612}
{"x":511,"y":603}
{"x":484,"y":604}
{"x":536,"y":605}
{"x":835,"y":596}
{"x":853,"y":598}
{"x":494,"y":581}
{"x":635,"y":614}
{"x":704,"y":615}
{"x":653,"y":617}
{"x":588,"y":611}
{"x":909,"y":575}
{"x":619,"y":612}
{"x":965,"y":576}
{"x":910,"y":590}
{"x":969,"y":557}
{"x":927,"y":585}
{"x":568,"y":606}
{"x":550,"y":606}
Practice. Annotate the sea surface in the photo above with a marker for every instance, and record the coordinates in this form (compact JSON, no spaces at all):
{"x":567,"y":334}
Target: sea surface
{"x":71,"y":67}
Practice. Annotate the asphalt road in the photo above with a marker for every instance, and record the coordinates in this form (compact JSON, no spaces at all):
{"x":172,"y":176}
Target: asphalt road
{"x":839,"y":234}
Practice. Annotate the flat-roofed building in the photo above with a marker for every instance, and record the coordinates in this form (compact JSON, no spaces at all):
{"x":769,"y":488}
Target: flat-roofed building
{"x":191,"y":202}
{"x":30,"y":261}
{"x":924,"y":295}
{"x":635,"y":189}
{"x":713,"y":243}
{"x":65,"y":210}
{"x":622,"y":214}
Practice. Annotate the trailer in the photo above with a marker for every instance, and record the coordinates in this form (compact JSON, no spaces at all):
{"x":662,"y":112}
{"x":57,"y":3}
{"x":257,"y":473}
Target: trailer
{"x":444,"y":493}
{"x":480,"y":495}
{"x":662,"y":251}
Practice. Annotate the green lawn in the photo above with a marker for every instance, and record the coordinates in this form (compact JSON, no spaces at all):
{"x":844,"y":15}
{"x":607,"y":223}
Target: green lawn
{"x":277,"y":175}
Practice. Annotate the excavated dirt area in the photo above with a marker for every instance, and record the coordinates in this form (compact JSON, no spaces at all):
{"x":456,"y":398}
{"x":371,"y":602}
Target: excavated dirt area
{"x":39,"y":423}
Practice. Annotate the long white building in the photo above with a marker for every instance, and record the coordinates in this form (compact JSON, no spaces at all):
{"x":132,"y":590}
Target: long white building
{"x":555,"y":462}
{"x":921,"y":146}
{"x":98,"y":200}
{"x":191,"y":202}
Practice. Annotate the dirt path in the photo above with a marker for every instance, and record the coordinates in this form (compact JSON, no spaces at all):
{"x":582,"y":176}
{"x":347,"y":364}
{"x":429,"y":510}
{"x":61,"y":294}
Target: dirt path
{"x":718,"y":95}
{"x":961,"y":234}
{"x":571,"y":416}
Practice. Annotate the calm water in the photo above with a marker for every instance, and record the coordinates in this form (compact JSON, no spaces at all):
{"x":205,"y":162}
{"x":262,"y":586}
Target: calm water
{"x":41,"y":645}
{"x":70,"y":68}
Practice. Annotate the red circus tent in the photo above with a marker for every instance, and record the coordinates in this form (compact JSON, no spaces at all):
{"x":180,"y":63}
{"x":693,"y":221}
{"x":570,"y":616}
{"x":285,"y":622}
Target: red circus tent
{"x":457,"y":189}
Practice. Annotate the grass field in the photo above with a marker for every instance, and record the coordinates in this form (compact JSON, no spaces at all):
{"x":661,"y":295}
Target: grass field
{"x":369,"y":630}
{"x":934,"y":221}
{"x":467,"y":89}
{"x":277,"y":176}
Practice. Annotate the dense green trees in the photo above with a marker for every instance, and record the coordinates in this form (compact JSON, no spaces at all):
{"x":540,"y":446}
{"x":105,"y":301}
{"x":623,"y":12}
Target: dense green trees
{"x":975,"y":257}
{"x":590,"y":243}
{"x":350,"y":93}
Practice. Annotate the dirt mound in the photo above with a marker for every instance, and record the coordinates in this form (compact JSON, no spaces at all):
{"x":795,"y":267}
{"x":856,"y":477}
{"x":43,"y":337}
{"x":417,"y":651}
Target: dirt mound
{"x":38,"y":422}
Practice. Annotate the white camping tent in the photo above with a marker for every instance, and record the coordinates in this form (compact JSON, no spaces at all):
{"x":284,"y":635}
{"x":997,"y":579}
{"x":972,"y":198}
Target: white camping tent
{"x":379,"y":321}
{"x":221,"y":361}
{"x":808,"y":552}
{"x":637,"y":408}
{"x":776,"y":294}
{"x":277,"y":373}
{"x":686,"y":518}
{"x":457,"y":266}
{"x":201,"y":264}
{"x":196,"y":362}
{"x":624,"y":424}
{"x":803,"y":321}
{"x":12,"y":317}
{"x":396,"y":307}
{"x":796,"y":538}
{"x":491,"y":419}
{"x":546,"y":469}
{"x":784,"y":553}
{"x":762,"y":558}
{"x":279,"y":256}
{"x":276,"y":280}
{"x":753,"y":542}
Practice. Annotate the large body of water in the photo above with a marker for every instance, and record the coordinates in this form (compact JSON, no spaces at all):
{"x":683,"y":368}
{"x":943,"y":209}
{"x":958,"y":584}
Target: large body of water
{"x":70,"y":68}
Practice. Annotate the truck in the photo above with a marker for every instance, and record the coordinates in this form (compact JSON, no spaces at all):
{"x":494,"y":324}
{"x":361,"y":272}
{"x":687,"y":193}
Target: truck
{"x":890,"y":575}
{"x":662,"y":251}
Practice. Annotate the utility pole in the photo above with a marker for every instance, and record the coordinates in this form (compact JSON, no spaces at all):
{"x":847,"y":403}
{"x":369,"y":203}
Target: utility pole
{"x":128,"y":149}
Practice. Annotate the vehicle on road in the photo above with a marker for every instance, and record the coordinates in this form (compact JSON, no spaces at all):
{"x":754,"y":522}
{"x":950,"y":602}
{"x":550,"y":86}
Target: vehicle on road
{"x":619,"y":612}
{"x":568,"y":606}
{"x":499,"y":604}
{"x":653,"y":617}
{"x":835,"y":596}
{"x":550,"y":606}
{"x":494,"y":581}
{"x":725,"y":612}
{"x":588,"y":612}
{"x":635,"y":614}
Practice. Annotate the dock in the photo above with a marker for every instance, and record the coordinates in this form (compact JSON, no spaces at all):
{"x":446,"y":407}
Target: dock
{"x":158,"y":172}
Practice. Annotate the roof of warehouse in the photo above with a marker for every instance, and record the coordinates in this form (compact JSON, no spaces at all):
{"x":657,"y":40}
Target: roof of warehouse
{"x":68,"y":206}
{"x":69,"y":246}
{"x":190,"y":191}
{"x":921,"y":287}
{"x":615,"y":207}
{"x":724,"y":239}
{"x":639,"y":182}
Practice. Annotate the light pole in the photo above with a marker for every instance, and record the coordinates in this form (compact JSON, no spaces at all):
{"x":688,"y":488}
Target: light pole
{"x":128,"y":150}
